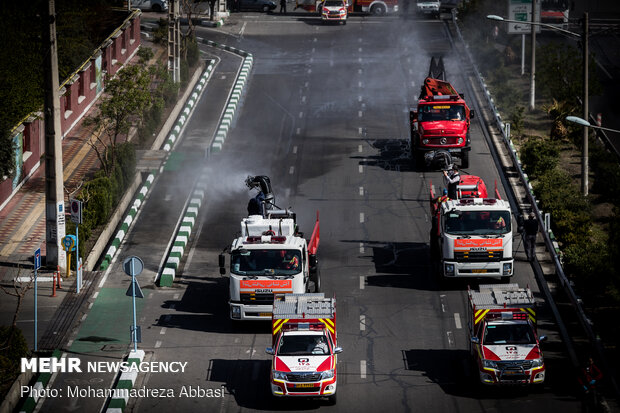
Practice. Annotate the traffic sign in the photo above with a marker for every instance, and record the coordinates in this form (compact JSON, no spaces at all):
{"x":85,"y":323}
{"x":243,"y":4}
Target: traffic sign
{"x":37,"y":259}
{"x":76,"y":211}
{"x":69,"y":242}
{"x":138,"y":290}
{"x":133,"y":266}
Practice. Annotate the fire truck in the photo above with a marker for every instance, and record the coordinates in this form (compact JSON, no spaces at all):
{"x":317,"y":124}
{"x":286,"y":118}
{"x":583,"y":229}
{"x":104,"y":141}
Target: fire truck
{"x":376,"y":7}
{"x":271,"y":256}
{"x":503,"y":337}
{"x":440,"y":122}
{"x":304,"y":346}
{"x":471,"y":236}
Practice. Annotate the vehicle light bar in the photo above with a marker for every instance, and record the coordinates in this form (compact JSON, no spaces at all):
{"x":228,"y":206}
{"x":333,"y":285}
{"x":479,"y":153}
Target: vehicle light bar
{"x":265,"y":239}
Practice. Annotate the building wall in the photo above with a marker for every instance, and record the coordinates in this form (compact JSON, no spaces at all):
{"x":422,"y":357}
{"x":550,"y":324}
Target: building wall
{"x":77,"y":95}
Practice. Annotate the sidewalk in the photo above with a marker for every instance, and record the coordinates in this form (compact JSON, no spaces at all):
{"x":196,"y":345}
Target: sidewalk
{"x":22,"y":231}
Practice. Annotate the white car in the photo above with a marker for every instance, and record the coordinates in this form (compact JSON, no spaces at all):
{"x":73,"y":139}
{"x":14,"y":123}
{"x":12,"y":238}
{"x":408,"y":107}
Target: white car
{"x":334,"y":10}
{"x":150,"y":5}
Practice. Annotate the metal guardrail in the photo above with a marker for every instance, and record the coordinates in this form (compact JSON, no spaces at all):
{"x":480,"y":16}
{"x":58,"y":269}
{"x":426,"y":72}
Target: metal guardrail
{"x":550,"y":243}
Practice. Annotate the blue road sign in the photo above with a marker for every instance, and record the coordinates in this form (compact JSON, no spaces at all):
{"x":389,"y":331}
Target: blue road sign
{"x":37,"y":259}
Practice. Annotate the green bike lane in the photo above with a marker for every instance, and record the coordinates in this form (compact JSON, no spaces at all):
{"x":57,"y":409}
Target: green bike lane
{"x":103,"y":337}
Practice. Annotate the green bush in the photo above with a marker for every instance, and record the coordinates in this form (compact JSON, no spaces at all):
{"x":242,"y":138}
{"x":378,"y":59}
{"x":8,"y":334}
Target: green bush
{"x":570,"y":212}
{"x":605,"y":167}
{"x":145,"y":54}
{"x":587,"y":262}
{"x":539,"y":156}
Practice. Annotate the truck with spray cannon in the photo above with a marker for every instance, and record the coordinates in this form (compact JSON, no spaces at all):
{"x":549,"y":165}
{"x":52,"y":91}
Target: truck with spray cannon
{"x":270,"y":256}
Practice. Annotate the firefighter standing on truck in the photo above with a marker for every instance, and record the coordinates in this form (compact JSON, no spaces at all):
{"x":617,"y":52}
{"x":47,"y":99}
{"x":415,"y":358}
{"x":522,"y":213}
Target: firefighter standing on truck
{"x":452,"y":179}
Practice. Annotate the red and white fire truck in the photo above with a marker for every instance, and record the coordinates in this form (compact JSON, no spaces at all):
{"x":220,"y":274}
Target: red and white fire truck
{"x":270,"y":257}
{"x":503,"y":336}
{"x":440,"y":122}
{"x":304,"y":346}
{"x":471,"y":236}
{"x":376,"y":7}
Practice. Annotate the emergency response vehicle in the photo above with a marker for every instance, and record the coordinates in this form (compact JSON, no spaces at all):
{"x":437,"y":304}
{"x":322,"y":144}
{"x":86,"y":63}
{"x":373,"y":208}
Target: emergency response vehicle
{"x":376,"y":7}
{"x":334,"y":11}
{"x":503,"y":337}
{"x":440,"y":122}
{"x":304,"y":346}
{"x":471,"y":236}
{"x":269,"y":257}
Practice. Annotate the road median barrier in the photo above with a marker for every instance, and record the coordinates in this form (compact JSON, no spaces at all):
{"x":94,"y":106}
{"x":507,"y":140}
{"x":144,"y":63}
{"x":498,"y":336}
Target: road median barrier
{"x":168,"y":145}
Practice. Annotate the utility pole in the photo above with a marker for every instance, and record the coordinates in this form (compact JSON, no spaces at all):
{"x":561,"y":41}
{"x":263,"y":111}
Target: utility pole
{"x":533,"y":72}
{"x":586,"y":110}
{"x":174,"y":41}
{"x":54,"y":195}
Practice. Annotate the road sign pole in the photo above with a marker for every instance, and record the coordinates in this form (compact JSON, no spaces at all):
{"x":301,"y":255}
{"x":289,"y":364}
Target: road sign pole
{"x":35,"y":307}
{"x":37,"y":265}
{"x":77,"y":258}
{"x":133,"y":298}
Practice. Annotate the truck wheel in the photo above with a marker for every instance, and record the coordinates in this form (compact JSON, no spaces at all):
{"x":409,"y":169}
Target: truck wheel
{"x":333,"y":399}
{"x":316,"y":280}
{"x":378,"y":10}
{"x":504,"y":280}
{"x":465,"y":160}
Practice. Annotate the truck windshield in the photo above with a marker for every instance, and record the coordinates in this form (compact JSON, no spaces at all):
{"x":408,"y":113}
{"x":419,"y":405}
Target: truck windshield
{"x":294,"y":345}
{"x":333,"y":3}
{"x":509,"y":334}
{"x":265,"y":262}
{"x":478,"y":222}
{"x":436,"y":112}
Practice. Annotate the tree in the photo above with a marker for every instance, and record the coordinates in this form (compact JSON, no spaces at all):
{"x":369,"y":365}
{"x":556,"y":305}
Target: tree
{"x":127,"y":97}
{"x":18,"y":290}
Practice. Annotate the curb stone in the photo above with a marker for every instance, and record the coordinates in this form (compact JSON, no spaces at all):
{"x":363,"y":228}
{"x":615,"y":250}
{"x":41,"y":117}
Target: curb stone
{"x":125,"y":382}
{"x":42,"y":380}
{"x":181,"y":240}
{"x":235,"y":97}
{"x":173,"y":135}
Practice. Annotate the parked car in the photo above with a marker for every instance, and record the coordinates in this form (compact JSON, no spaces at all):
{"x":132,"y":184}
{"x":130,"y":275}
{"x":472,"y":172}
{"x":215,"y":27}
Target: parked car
{"x":257,"y":5}
{"x":150,"y":5}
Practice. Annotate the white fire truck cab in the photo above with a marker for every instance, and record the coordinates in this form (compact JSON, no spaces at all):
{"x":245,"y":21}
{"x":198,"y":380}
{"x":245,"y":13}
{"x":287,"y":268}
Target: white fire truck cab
{"x":503,"y":337}
{"x":304,"y":346}
{"x":472,"y":237}
{"x":270,"y":257}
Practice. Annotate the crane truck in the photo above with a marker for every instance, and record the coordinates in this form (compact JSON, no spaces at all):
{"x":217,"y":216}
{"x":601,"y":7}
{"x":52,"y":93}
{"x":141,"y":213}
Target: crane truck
{"x":304,"y":346}
{"x":471,"y":236}
{"x":503,"y":337}
{"x":439,"y":125}
{"x":270,"y":256}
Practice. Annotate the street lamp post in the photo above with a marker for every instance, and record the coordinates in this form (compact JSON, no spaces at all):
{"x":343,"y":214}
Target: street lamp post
{"x":587,"y":124}
{"x":586,"y":53}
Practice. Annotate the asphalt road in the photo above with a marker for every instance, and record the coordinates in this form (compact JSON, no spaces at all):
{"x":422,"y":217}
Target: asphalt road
{"x":325,"y":116}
